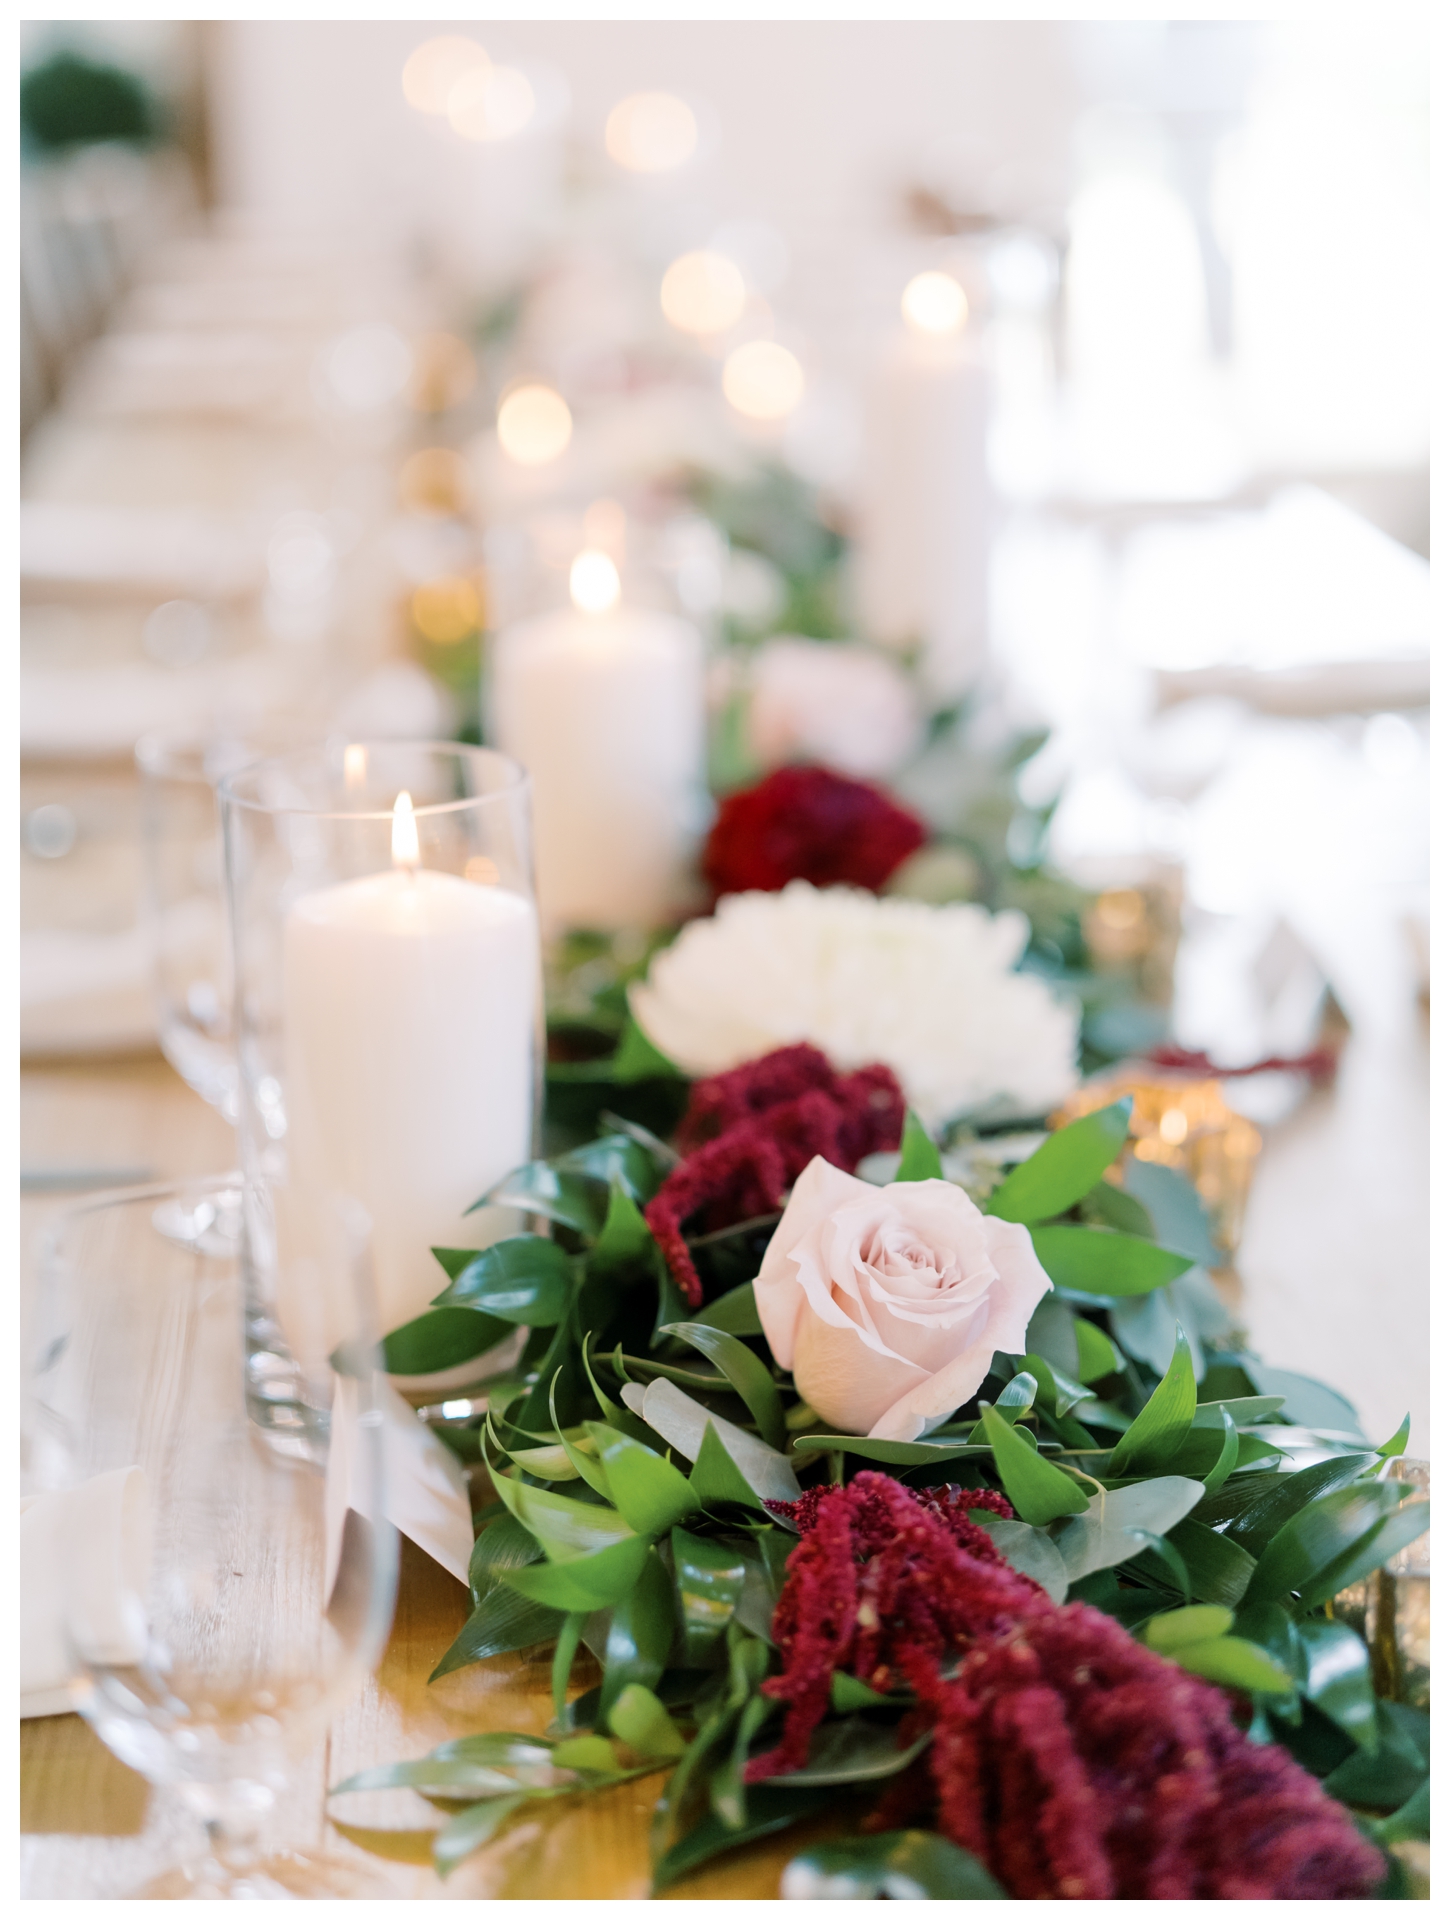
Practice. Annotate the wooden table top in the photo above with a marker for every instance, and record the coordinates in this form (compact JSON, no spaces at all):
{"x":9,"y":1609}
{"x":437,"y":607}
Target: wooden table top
{"x":92,"y":1827}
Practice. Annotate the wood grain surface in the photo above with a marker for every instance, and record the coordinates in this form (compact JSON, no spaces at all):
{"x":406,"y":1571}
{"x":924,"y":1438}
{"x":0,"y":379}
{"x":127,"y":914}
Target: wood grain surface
{"x":91,"y":1827}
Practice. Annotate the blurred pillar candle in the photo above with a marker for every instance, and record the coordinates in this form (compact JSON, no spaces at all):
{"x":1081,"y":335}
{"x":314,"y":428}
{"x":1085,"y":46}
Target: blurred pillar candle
{"x":409,"y":1011}
{"x":605,"y":707}
{"x":924,"y":507}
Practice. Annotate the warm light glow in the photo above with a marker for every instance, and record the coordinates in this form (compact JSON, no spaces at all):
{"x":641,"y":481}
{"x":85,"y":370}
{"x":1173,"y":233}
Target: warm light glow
{"x":354,"y":767}
{"x":447,"y":611}
{"x":490,"y":103}
{"x":482,"y":871}
{"x":763,"y":380}
{"x":1174,"y":1126}
{"x":405,"y":832}
{"x":703,"y":293}
{"x":444,"y":372}
{"x":934,"y":303}
{"x":435,"y":480}
{"x":435,"y":68}
{"x":594,"y":582}
{"x":534,"y":425}
{"x":650,"y":133}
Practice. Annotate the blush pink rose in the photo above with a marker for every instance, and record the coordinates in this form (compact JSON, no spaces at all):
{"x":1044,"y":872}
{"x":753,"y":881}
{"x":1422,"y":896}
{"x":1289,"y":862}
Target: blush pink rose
{"x":887,"y":1303}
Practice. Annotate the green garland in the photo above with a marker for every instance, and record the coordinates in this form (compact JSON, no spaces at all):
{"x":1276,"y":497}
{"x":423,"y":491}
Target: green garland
{"x":1159,"y":1470}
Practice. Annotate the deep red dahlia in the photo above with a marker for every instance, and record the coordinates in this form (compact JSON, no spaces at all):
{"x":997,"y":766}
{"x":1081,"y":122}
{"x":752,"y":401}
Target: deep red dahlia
{"x":807,"y":823}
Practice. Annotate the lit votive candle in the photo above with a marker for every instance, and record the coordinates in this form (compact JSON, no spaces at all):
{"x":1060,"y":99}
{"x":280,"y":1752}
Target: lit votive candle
{"x":410,"y":1010}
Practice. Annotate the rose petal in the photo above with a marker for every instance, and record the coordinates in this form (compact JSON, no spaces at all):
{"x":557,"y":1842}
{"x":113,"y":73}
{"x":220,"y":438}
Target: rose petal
{"x":844,"y":1380}
{"x":779,"y":1298}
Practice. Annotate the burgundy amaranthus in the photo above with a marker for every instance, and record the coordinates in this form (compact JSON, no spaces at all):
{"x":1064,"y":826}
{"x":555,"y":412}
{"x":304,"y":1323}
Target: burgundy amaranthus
{"x":749,"y":1134}
{"x":807,"y":823}
{"x":1071,"y":1760}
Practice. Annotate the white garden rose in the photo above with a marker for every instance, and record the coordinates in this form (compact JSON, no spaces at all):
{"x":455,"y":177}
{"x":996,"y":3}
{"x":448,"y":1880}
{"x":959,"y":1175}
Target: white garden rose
{"x":846,"y":707}
{"x":887,"y":1303}
{"x":929,"y":991}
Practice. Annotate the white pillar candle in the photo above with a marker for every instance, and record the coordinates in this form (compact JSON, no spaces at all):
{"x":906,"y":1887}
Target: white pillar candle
{"x":925,"y":504}
{"x":410,"y":1002}
{"x":605,"y":707}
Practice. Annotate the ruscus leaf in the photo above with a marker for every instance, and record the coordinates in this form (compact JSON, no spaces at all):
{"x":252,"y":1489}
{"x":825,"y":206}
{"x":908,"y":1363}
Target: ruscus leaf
{"x":1064,"y":1168}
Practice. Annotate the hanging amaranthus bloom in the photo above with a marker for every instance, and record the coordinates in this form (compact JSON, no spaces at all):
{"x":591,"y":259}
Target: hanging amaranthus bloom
{"x":751,"y":1132}
{"x":807,"y":823}
{"x":1071,"y":1760}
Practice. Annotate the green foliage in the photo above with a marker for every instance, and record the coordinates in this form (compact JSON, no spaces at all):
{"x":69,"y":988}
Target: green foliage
{"x":1066,"y":1167}
{"x":1098,"y":1261}
{"x":748,"y":1375}
{"x":1039,"y":1491}
{"x":443,"y":1337}
{"x":1163,"y":1425}
{"x":905,"y":1865}
{"x":709,"y":1580}
{"x":528,"y":1281}
{"x":919,"y":1157}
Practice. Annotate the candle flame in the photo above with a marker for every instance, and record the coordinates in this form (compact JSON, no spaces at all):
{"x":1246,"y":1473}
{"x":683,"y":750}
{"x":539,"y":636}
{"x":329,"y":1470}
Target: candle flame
{"x":405,"y":832}
{"x":594,"y":582}
{"x":354,"y":767}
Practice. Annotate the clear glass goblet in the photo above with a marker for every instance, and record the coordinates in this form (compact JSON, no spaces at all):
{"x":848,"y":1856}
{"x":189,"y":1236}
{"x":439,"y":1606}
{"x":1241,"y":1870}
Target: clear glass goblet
{"x":258,"y":1586}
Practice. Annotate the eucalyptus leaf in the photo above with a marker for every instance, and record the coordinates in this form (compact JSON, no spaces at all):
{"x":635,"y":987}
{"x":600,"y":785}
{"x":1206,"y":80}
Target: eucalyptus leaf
{"x":640,"y":1720}
{"x":709,"y":1580}
{"x":905,"y":1865}
{"x":1146,"y":1328}
{"x":641,"y":1630}
{"x":651,"y":1495}
{"x":682,"y":1422}
{"x":1030,"y":1551}
{"x":734,"y":1312}
{"x":747,"y":1374}
{"x":1052,"y":1332}
{"x":1107,"y":1532}
{"x":1097,"y":1260}
{"x":527,"y":1281}
{"x":442,"y":1337}
{"x":1162,"y":1426}
{"x":893,"y":1453}
{"x":1180,"y":1219}
{"x":715,"y":1477}
{"x":919,"y":1157}
{"x":1066,"y":1166}
{"x":1307,"y":1402}
{"x":587,"y":1583}
{"x":1039,"y":1491}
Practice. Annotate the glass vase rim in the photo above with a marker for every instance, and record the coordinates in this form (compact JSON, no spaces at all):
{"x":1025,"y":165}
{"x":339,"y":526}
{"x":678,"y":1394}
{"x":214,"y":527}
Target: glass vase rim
{"x":106,"y":1199}
{"x":516,"y":783}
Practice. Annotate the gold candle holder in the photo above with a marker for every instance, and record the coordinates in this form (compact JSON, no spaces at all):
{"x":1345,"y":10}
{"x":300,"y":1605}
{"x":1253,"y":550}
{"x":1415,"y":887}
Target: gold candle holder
{"x":1391,"y":1609}
{"x":1135,"y":929}
{"x":1184,"y":1123}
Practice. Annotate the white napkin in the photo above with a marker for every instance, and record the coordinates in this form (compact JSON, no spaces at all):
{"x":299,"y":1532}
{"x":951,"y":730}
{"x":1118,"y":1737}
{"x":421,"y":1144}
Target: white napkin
{"x":86,"y":1549}
{"x":425,"y":1490}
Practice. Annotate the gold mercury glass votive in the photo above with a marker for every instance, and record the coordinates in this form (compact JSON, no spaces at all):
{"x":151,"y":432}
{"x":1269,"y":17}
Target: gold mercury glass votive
{"x":1184,"y":1123}
{"x":1391,"y":1609}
